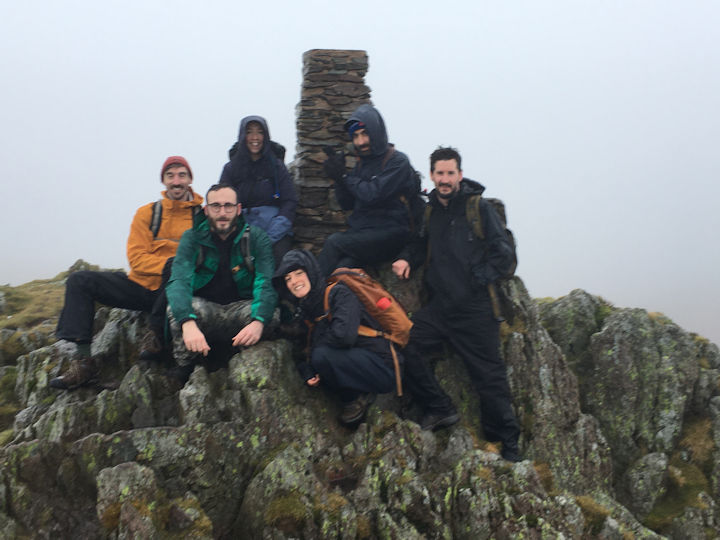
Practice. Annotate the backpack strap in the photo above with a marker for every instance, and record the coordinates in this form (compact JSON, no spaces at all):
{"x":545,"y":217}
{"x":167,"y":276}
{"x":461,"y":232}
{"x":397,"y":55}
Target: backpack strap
{"x":425,"y":225}
{"x":245,"y":250}
{"x":156,"y":218}
{"x":326,"y":303}
{"x":403,"y":198}
{"x":472,"y":214}
{"x":371,"y":332}
{"x":387,"y":156}
{"x":276,"y":195}
{"x":201,"y":257}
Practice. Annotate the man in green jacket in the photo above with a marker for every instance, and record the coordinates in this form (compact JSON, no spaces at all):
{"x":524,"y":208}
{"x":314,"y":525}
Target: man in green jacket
{"x":220,"y":291}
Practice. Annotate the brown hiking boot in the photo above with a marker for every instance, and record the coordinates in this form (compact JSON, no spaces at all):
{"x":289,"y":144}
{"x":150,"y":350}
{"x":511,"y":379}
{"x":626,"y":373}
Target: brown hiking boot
{"x":151,"y":346}
{"x":354,"y":411}
{"x":81,"y":372}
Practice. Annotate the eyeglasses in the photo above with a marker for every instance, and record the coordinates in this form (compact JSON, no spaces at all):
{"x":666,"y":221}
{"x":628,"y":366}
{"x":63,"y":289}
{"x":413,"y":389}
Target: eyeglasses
{"x":216,"y":207}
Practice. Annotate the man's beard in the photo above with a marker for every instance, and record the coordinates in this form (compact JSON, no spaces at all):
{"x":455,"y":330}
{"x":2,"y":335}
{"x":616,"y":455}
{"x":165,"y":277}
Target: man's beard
{"x":453,"y":191}
{"x":363,"y":150}
{"x":214,"y":225}
{"x":183,"y":197}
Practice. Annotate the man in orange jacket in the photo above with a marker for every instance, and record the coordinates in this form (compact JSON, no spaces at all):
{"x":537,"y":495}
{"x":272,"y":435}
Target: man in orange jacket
{"x":154,"y":237}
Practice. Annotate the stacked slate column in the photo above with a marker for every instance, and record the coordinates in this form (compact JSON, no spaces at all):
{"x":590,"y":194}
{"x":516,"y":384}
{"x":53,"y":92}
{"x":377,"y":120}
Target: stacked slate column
{"x":333,"y":86}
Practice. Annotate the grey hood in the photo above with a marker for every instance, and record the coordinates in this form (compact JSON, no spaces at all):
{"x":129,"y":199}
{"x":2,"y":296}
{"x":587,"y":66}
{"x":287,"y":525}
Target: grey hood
{"x":243,"y":132}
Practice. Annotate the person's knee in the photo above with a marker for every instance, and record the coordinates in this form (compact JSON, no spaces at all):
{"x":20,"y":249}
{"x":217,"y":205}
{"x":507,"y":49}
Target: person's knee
{"x":333,"y":241}
{"x":321,"y":358}
{"x":79,"y":280}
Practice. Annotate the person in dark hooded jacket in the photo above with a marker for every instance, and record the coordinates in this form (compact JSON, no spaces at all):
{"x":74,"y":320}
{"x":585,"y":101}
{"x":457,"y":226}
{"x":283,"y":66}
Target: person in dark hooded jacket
{"x":266,"y":191}
{"x":355,"y":367}
{"x":379,"y":225}
{"x":459,"y":266}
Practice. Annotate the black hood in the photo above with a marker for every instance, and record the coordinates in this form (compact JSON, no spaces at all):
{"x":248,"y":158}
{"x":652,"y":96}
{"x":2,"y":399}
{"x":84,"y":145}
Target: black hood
{"x":242,"y":146}
{"x":294,"y":259}
{"x":374,"y":125}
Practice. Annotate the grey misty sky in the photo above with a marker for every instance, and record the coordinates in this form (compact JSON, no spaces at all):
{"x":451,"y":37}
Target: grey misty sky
{"x":596,"y":122}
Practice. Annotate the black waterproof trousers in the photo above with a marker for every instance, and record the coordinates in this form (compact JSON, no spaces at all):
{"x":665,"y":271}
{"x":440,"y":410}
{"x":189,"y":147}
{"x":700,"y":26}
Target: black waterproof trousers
{"x":360,"y":248}
{"x":354,"y":370}
{"x":475,"y":335}
{"x":112,"y":289}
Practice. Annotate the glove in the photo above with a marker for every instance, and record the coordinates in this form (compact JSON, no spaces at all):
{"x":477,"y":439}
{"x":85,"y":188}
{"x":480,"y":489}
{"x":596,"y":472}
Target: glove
{"x":334,"y":165}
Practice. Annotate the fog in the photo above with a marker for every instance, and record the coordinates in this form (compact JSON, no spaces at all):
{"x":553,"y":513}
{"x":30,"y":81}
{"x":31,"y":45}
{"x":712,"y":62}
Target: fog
{"x":596,"y":122}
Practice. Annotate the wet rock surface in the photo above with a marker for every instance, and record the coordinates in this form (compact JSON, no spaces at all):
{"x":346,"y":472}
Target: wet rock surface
{"x":249,"y":451}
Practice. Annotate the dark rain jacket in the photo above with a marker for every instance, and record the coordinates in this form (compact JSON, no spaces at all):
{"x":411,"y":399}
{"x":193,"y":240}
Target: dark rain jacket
{"x":340,"y":330}
{"x":187,"y":277}
{"x":460,"y":265}
{"x":264,"y":186}
{"x":372,"y":190}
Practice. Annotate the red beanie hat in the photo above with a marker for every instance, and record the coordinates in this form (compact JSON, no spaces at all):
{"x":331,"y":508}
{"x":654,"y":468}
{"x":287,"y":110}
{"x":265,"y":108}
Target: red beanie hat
{"x":175,"y":160}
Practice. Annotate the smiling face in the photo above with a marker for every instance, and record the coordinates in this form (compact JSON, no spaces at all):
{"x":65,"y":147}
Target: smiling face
{"x":446,"y":176}
{"x":177,"y":180}
{"x":254,"y":138}
{"x":298,"y":283}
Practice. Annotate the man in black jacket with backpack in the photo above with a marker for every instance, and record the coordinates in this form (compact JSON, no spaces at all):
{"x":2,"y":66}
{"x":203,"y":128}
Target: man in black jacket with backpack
{"x":378,"y":191}
{"x":461,"y":270}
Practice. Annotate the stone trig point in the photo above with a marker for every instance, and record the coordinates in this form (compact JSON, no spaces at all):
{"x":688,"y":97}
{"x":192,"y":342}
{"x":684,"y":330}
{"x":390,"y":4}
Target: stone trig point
{"x":333,"y":86}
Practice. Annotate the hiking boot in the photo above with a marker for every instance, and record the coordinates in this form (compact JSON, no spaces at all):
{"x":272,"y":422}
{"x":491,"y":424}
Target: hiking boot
{"x":354,"y":411}
{"x":511,"y":453}
{"x":151,"y":346}
{"x":439,"y":419}
{"x":81,"y":372}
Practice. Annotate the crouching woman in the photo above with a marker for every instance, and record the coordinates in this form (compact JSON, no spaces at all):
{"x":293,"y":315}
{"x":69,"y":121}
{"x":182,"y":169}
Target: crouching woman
{"x":354,"y":367}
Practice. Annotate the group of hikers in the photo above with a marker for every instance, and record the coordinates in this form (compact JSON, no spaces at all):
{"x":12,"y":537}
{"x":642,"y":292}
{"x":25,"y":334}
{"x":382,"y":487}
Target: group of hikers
{"x":211,"y":277}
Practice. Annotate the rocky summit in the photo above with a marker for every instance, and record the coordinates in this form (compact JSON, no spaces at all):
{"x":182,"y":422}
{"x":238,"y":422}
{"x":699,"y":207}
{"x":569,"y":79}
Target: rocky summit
{"x":619,"y":410}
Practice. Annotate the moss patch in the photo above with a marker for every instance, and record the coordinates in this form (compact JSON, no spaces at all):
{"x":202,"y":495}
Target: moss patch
{"x":12,"y":348}
{"x":546,"y":477}
{"x":7,"y":386}
{"x":332,"y":506}
{"x":111,"y":516}
{"x":685,"y":482}
{"x":6,"y":436}
{"x":8,"y":404}
{"x":364,"y":527}
{"x":658,"y":317}
{"x":287,"y":513}
{"x":7,"y":415}
{"x":593,"y":512}
{"x":602,"y":312}
{"x":507,"y":330}
{"x":697,"y":440}
{"x":387,"y":422}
